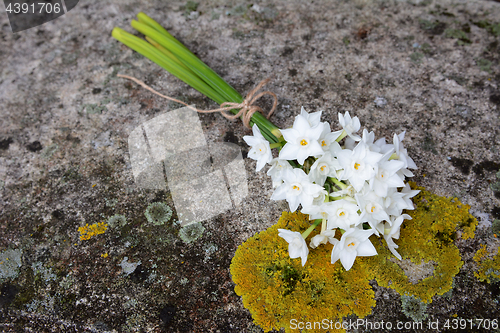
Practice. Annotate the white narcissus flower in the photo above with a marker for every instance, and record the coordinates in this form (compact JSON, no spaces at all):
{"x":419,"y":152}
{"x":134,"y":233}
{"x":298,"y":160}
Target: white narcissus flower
{"x":408,"y":193}
{"x":350,"y":125}
{"x":260,"y":151}
{"x":301,"y":140}
{"x":394,"y":202}
{"x":342,"y":214}
{"x":387,"y":175}
{"x":319,"y":197}
{"x":320,"y":211}
{"x":322,"y":238}
{"x":297,"y":246}
{"x":276,"y":170}
{"x":354,"y":242}
{"x":297,"y":189}
{"x":324,"y":167}
{"x":402,"y":155}
{"x":368,"y":138}
{"x":372,"y":208}
{"x":391,"y":232}
{"x":359,"y":165}
{"x":383,"y":146}
{"x":327,"y":139}
{"x":313,"y":118}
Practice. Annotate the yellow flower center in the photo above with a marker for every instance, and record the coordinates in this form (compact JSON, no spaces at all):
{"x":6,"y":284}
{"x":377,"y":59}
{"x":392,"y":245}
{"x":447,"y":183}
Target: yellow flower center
{"x":341,"y":214}
{"x":373,"y":208}
{"x":303,"y":142}
{"x":323,"y":143}
{"x":322,"y":168}
{"x":295,"y":187}
{"x":356,"y":166}
{"x":351,"y":244}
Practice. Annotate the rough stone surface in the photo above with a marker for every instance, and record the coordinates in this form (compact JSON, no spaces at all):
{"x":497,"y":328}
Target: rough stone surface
{"x":427,"y":67}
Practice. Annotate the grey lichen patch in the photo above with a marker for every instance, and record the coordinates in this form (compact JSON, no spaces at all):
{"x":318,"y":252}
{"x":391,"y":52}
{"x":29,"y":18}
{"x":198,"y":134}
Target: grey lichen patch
{"x":128,"y":267}
{"x":45,"y":305}
{"x":10,"y":262}
{"x":117,"y":221}
{"x":492,"y":28}
{"x":158,"y":213}
{"x":495,"y":227}
{"x":416,"y":57}
{"x":45,"y":273}
{"x":135,"y":323}
{"x":416,"y":273}
{"x":460,"y":35}
{"x":191,"y":232}
{"x":484,"y":64}
{"x":94,"y":108}
{"x":413,"y":308}
{"x":209,"y":249}
{"x":67,"y":282}
{"x":130,"y":304}
{"x":496,"y":186}
{"x":110,"y":202}
{"x":49,"y":151}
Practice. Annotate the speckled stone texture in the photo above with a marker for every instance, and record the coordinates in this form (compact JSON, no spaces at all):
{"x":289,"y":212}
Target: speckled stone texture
{"x":427,"y":67}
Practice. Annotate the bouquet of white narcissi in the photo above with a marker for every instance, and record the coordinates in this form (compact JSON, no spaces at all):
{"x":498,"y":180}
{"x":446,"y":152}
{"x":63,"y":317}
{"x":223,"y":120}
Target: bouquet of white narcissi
{"x":358,"y":188}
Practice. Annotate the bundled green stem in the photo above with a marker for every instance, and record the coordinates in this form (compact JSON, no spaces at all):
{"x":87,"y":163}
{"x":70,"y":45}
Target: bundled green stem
{"x":166,"y":51}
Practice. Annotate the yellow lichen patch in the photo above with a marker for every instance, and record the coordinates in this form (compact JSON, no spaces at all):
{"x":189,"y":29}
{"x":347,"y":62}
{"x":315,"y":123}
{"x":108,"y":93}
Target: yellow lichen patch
{"x":489,"y":269}
{"x":87,"y":231}
{"x":277,"y":289}
{"x":427,"y":238}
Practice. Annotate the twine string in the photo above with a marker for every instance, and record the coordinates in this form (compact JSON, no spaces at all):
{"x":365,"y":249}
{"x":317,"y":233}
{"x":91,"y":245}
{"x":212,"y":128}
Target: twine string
{"x":246,"y":108}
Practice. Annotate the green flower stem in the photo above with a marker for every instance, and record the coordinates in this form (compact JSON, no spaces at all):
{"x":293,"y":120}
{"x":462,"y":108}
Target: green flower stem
{"x":338,"y":183}
{"x":311,"y":228}
{"x":190,"y":60}
{"x":168,"y":53}
{"x":342,"y":135}
{"x":176,"y":58}
{"x":394,"y":156}
{"x":143,"y":18}
{"x":159,"y":58}
{"x":276,"y":145}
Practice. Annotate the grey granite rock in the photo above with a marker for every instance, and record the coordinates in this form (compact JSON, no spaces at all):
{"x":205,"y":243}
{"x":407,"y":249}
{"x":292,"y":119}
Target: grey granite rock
{"x":430,"y":68}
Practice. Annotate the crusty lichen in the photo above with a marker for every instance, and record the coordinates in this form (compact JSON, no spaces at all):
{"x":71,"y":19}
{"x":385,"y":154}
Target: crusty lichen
{"x":413,"y":308}
{"x":277,"y":289}
{"x":158,"y":213}
{"x":191,"y":232}
{"x":88,"y":231}
{"x":427,"y":237}
{"x":489,"y":269}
